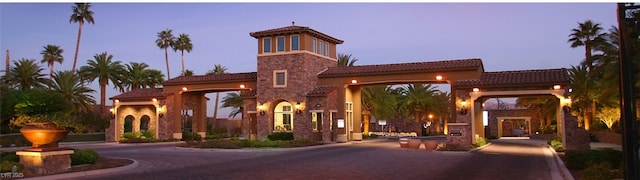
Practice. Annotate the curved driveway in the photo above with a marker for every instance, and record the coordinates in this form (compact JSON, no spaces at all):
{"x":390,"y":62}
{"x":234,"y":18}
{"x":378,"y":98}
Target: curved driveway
{"x":362,"y":160}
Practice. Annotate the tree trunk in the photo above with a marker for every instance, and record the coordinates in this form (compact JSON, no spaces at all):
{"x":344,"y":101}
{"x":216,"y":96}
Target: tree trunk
{"x":51,"y":70}
{"x":215,"y":111}
{"x":587,"y":122}
{"x":75,"y":57}
{"x":103,"y":89}
{"x":183,"y":71}
{"x":166,"y":58}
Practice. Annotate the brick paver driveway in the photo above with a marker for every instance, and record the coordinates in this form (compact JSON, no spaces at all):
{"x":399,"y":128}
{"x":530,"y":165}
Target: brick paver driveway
{"x":359,"y":160}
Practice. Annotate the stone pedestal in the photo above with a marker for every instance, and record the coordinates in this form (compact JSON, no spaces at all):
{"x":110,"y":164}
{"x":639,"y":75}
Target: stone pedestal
{"x":47,"y":162}
{"x":356,"y":136}
{"x":341,"y":138}
{"x":459,"y":136}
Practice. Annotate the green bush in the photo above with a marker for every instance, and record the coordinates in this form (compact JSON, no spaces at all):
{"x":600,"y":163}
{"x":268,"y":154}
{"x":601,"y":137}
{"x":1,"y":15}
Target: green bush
{"x":481,"y":141}
{"x":84,"y":156}
{"x":131,"y":135}
{"x":583,"y":158}
{"x":372,"y":136}
{"x":7,"y":166}
{"x":147,"y":135}
{"x":280,"y":136}
{"x":599,"y":171}
{"x":556,"y":144}
{"x":9,"y":156}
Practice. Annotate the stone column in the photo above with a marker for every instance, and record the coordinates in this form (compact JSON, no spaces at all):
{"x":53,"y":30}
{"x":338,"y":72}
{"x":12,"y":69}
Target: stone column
{"x":47,"y":162}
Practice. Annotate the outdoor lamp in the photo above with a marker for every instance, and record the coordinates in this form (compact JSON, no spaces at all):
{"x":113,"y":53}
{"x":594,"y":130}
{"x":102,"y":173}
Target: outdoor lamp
{"x":261,"y":108}
{"x":463,"y":109}
{"x":298,"y":111}
{"x":113,"y":112}
{"x":159,"y":109}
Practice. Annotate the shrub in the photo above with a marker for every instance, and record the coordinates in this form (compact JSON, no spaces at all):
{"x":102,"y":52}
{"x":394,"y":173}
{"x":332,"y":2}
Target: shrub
{"x":593,"y":138}
{"x":131,"y":135}
{"x":84,"y":156}
{"x":599,"y":171}
{"x":147,"y":135}
{"x":9,"y":156}
{"x":556,"y":144}
{"x":371,"y":136}
{"x":191,"y":136}
{"x":7,"y":166}
{"x":481,"y":141}
{"x":280,"y":136}
{"x":584,"y":158}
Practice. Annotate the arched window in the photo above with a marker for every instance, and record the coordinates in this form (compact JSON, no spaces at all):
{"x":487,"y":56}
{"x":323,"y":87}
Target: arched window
{"x":144,"y":123}
{"x":283,"y":117}
{"x":128,"y":124}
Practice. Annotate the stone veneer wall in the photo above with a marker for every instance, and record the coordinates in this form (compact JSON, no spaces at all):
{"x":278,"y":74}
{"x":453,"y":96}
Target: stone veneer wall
{"x":608,"y":137}
{"x":302,"y":70}
{"x":249,"y":105}
{"x":165,"y":130}
{"x":577,"y":138}
{"x":460,"y":142}
{"x":494,"y":114}
{"x":327,"y":104}
{"x":137,"y":112}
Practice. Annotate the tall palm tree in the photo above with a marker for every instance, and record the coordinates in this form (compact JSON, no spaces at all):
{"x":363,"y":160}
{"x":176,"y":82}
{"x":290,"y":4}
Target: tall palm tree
{"x":217,"y":69}
{"x":26,"y":74}
{"x":165,"y":41}
{"x":589,"y":35}
{"x":441,"y":109}
{"x":50,"y":55}
{"x":419,"y":100}
{"x":235,"y":102}
{"x":104,"y":69}
{"x":346,"y":60}
{"x":182,"y":43}
{"x":139,"y":76}
{"x":379,"y":102}
{"x":187,"y":73}
{"x":585,"y":95}
{"x":81,"y":13}
{"x":73,"y":90}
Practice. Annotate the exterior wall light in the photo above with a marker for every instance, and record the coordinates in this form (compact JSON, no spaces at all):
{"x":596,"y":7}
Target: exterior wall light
{"x":160,"y":112}
{"x":556,"y":87}
{"x":242,"y":86}
{"x":476,"y":89}
{"x":298,"y":110}
{"x":113,"y":112}
{"x":184,"y":89}
{"x":353,"y":81}
{"x":261,"y":108}
{"x":567,"y":105}
{"x":438,"y":77}
{"x":463,"y":108}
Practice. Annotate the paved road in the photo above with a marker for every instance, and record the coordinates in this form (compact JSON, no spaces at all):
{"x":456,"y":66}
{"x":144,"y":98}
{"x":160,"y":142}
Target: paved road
{"x":368,"y":160}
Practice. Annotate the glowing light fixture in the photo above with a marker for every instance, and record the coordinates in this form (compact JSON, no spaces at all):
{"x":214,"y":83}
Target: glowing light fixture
{"x":184,"y":89}
{"x":556,"y":87}
{"x":298,"y":110}
{"x":463,"y":109}
{"x":476,"y":90}
{"x":438,"y":77}
{"x":353,"y":81}
{"x":261,"y":108}
{"x":242,"y":86}
{"x":154,"y":100}
{"x":117,"y":101}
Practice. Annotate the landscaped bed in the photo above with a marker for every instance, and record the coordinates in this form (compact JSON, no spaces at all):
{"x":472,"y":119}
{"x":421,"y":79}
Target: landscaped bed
{"x":243,"y":143}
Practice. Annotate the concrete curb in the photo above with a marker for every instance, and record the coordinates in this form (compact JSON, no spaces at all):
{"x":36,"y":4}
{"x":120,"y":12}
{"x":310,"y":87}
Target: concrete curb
{"x":88,"y":173}
{"x":556,"y":167}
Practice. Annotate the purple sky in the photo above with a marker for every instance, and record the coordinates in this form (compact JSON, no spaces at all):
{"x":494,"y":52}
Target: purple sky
{"x":514,"y":36}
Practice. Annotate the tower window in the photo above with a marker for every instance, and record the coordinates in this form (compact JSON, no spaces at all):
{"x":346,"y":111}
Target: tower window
{"x":326,"y":49}
{"x":280,"y":78}
{"x":320,"y":48}
{"x":280,"y":44}
{"x":266,"y":45}
{"x":313,"y":46}
{"x":295,"y":43}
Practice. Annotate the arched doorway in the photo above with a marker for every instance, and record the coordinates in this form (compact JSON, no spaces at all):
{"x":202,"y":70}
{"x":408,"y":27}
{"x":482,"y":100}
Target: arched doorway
{"x":128,"y":123}
{"x":144,"y":123}
{"x":283,"y":117}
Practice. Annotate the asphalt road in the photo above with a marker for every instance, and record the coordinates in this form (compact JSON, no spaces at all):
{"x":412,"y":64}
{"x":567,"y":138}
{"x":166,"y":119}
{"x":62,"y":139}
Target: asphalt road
{"x":368,"y":160}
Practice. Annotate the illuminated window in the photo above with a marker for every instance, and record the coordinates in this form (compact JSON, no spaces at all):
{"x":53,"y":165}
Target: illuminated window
{"x":295,"y":42}
{"x":280,"y":78}
{"x":280,"y":42}
{"x":266,"y":45}
{"x":316,"y":121}
{"x":283,"y":117}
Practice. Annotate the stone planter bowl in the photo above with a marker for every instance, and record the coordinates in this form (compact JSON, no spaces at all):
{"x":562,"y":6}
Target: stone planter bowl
{"x":43,"y":136}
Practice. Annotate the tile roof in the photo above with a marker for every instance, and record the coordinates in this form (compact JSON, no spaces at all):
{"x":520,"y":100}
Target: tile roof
{"x":321,"y":91}
{"x":232,"y":77}
{"x":403,"y":67}
{"x":518,"y":78}
{"x":295,"y":30}
{"x":144,"y":93}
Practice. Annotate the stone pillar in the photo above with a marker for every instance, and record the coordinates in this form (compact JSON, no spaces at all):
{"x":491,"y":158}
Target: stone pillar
{"x":575,"y":138}
{"x":47,"y":162}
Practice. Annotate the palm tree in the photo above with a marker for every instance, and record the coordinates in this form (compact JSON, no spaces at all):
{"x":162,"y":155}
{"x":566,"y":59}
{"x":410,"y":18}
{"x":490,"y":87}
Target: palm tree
{"x":346,"y":60}
{"x":217,"y":69}
{"x":182,"y":43}
{"x":81,"y":13}
{"x":103,"y":68}
{"x":418,"y":100}
{"x":26,"y":74}
{"x":586,"y":92}
{"x":589,"y":35}
{"x":441,"y":109}
{"x":233,"y":100}
{"x":139,"y":76}
{"x":155,"y":77}
{"x":379,"y":102}
{"x":187,"y":73}
{"x":164,"y":41}
{"x":73,"y":90}
{"x":50,"y":55}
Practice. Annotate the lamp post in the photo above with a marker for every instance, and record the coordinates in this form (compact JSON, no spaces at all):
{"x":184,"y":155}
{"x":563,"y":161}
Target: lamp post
{"x":630,"y":133}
